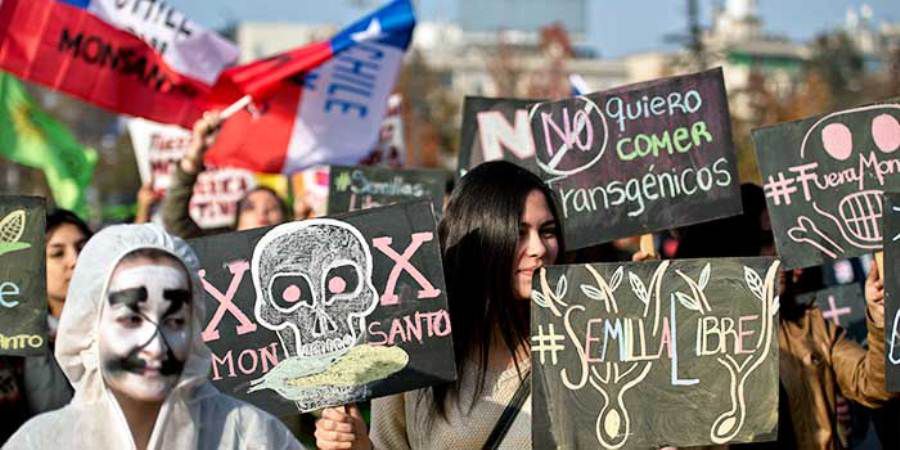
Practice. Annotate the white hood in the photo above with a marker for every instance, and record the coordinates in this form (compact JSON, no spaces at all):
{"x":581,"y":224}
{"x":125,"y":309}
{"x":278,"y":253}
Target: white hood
{"x":194,"y":415}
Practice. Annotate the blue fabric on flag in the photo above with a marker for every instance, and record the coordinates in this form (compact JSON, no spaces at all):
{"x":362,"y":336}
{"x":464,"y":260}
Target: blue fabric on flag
{"x":395,"y":21}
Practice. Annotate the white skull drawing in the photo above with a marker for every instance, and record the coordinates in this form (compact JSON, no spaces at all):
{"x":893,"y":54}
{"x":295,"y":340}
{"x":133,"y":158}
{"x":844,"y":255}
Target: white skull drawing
{"x":313,"y":286}
{"x":859,"y":211}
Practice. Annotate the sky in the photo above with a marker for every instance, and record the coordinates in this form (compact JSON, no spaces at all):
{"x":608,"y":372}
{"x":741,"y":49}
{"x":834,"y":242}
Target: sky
{"x":615,"y":27}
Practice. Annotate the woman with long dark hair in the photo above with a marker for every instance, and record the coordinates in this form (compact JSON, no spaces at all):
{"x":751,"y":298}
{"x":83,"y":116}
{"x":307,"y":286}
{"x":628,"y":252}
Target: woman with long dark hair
{"x":500,"y":226}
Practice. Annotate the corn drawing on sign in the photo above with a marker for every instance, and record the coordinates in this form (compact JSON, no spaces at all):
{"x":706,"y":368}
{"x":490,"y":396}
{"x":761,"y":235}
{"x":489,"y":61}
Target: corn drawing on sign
{"x":11,"y":229}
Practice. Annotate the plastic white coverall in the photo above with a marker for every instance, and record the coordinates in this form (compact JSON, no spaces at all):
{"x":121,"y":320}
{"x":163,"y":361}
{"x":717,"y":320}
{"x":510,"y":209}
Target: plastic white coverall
{"x":194,"y":415}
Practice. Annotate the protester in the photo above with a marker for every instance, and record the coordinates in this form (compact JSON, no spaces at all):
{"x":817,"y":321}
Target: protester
{"x":500,"y":226}
{"x":817,"y":360}
{"x":147,"y":199}
{"x":129,"y":341}
{"x":44,"y":385}
{"x":259,"y":207}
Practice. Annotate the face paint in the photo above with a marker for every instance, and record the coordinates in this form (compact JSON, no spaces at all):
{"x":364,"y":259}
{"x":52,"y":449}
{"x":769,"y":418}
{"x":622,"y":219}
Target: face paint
{"x":145,"y":330}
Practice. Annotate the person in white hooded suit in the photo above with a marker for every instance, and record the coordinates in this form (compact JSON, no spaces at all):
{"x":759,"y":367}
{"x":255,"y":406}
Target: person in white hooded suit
{"x":129,"y":342}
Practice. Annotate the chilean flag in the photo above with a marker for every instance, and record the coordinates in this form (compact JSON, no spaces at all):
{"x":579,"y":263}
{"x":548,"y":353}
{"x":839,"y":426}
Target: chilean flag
{"x":141,"y":58}
{"x":318,"y":104}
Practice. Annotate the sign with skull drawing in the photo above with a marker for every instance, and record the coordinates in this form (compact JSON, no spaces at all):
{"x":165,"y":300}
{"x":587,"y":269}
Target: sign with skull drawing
{"x":327,"y":311}
{"x":891,"y":277}
{"x":622,"y":350}
{"x":823,"y":178}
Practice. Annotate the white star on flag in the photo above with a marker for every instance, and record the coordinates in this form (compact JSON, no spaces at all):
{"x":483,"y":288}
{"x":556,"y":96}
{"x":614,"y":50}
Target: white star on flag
{"x":371,"y":33}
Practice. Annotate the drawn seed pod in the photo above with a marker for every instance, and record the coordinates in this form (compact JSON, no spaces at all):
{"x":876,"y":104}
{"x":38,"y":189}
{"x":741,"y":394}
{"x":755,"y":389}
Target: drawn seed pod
{"x":12,"y":226}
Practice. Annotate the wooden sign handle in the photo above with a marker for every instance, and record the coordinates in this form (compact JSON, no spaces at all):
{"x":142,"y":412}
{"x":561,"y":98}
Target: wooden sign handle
{"x":879,"y":261}
{"x":647,"y":246}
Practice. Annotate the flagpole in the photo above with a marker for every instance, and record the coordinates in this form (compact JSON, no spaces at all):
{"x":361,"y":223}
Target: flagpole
{"x":235,"y":107}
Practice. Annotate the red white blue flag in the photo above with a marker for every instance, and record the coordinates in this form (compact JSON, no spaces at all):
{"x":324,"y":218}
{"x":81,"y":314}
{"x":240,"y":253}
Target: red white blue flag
{"x":329,"y":115}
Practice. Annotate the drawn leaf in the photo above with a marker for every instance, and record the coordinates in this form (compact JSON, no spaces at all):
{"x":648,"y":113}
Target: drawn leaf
{"x":688,"y":302}
{"x":640,"y":291}
{"x":754,"y":282}
{"x":539,"y":298}
{"x":562,"y":286}
{"x":593,"y":293}
{"x":616,"y":278}
{"x":704,"y":277}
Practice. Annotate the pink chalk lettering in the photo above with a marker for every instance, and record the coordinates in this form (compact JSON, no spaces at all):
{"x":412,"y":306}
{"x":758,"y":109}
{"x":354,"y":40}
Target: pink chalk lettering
{"x":401,"y":263}
{"x":211,"y":332}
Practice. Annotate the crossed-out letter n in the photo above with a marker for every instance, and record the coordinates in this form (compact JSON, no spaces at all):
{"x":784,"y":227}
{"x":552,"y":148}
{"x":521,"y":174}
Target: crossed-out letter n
{"x":401,"y":263}
{"x":211,"y":332}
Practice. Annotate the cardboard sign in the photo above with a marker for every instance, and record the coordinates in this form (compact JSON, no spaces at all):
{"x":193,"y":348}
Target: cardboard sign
{"x":355,"y":188}
{"x":823,"y":177}
{"x":158,"y":149}
{"x":891,"y":279}
{"x":622,"y":351}
{"x":327,"y":311}
{"x":496,"y":128}
{"x":639,"y":158}
{"x":844,"y":305}
{"x":23,"y":287}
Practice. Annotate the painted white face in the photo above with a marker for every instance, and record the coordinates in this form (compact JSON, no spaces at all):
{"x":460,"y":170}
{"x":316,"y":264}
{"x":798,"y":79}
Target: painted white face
{"x":145,"y":331}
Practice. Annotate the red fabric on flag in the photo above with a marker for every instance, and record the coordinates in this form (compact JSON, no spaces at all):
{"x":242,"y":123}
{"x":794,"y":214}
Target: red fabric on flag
{"x":258,"y":143}
{"x":67,"y":48}
{"x":262,"y":78}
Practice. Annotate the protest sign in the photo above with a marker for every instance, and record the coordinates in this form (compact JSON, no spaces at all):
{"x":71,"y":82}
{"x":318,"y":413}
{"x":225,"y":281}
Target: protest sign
{"x":622,"y":350}
{"x":23,"y":287}
{"x":496,"y":128}
{"x":891,"y":277}
{"x":844,"y":305}
{"x":639,"y":158}
{"x":823,"y":177}
{"x":327,"y":311}
{"x":355,"y":188}
{"x":158,"y":148}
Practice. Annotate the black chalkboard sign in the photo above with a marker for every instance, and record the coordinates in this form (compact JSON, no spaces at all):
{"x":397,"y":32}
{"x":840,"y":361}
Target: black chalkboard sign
{"x":362,"y":187}
{"x":23,"y":287}
{"x":844,"y":305}
{"x":496,"y":128}
{"x":327,"y":311}
{"x":891,"y":279}
{"x":644,"y":355}
{"x":639,"y":158}
{"x":823,"y":177}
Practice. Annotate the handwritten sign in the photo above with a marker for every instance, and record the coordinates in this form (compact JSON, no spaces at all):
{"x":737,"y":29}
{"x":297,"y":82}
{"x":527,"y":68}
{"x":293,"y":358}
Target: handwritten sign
{"x":355,"y":188}
{"x":891,"y":279}
{"x":327,"y":311}
{"x":158,"y":149}
{"x":844,"y":305}
{"x":496,"y":128}
{"x":639,"y":158}
{"x":621,"y":351}
{"x":823,"y":177}
{"x":23,"y":290}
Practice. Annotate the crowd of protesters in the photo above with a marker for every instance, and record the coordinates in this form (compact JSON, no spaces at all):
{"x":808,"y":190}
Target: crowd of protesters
{"x":137,"y":283}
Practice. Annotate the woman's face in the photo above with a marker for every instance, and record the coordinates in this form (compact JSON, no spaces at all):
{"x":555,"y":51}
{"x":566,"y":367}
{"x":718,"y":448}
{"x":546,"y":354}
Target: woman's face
{"x":64,"y":244}
{"x":260,"y":209}
{"x":538,"y":245}
{"x":145,"y":331}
